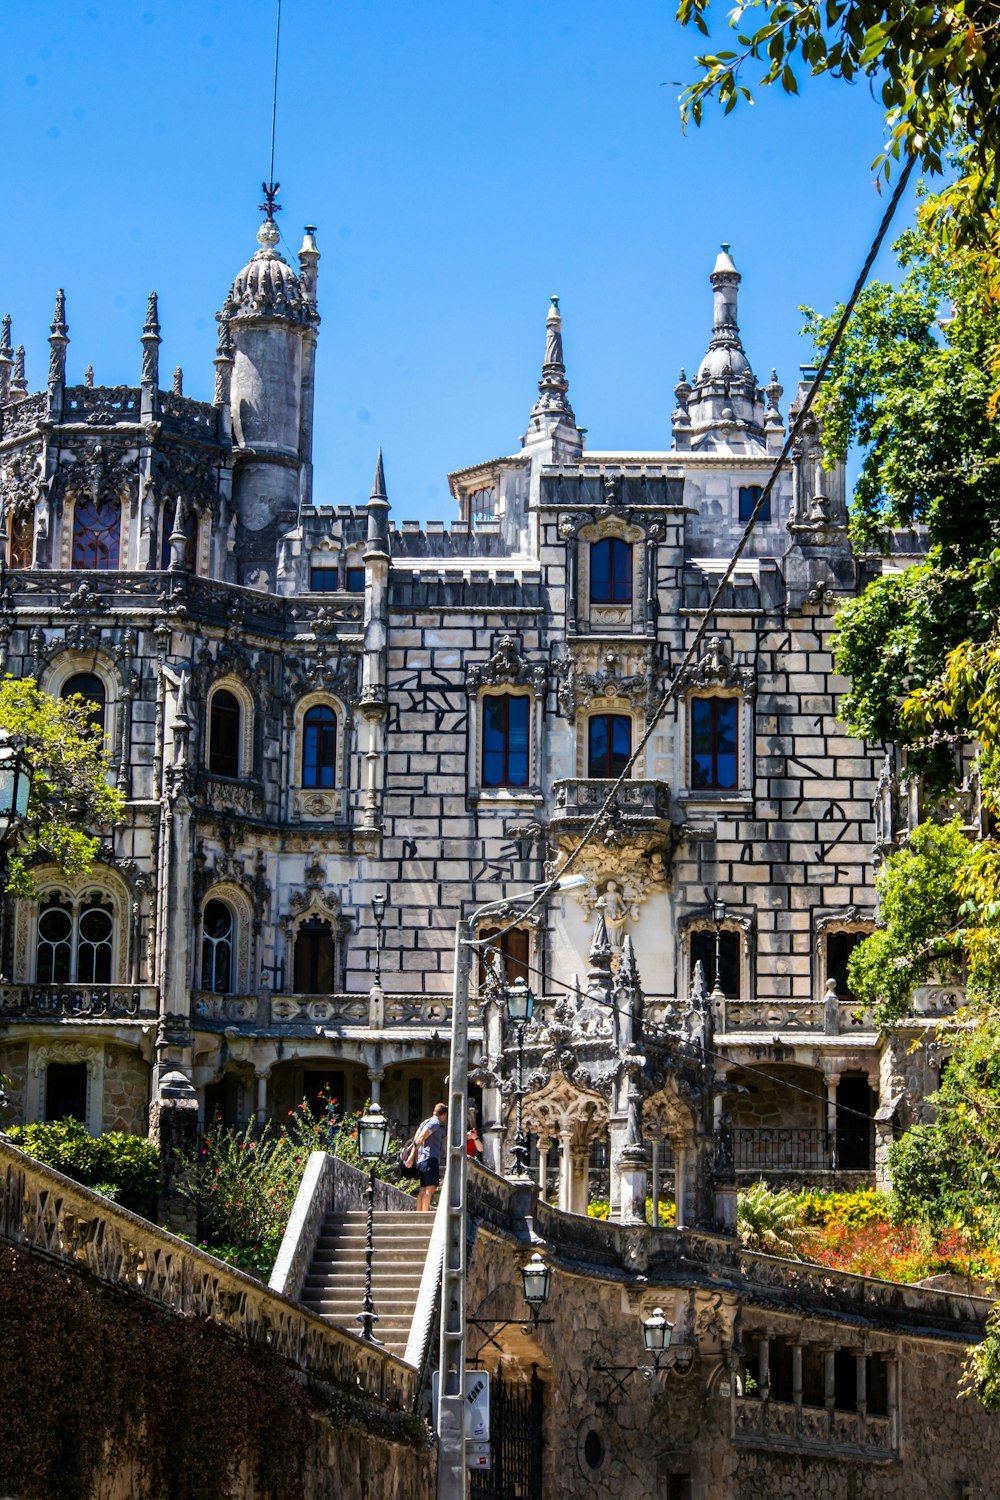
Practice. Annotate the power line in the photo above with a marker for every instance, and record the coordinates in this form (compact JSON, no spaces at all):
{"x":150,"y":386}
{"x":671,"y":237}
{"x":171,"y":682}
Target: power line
{"x":274,"y":93}
{"x":762,"y":501}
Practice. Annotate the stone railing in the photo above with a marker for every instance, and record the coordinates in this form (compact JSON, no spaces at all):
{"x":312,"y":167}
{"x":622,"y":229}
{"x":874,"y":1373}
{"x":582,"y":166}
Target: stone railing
{"x":772,"y":1016}
{"x":78,"y":1002}
{"x":193,"y":418}
{"x":23,"y":416}
{"x":719,"y":1261}
{"x":101,"y":405}
{"x":637,"y":802}
{"x":43,"y":1212}
{"x":813,"y":1429}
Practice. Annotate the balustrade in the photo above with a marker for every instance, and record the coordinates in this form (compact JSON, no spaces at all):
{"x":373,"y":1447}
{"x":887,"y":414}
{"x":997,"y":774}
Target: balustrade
{"x":104,"y":1002}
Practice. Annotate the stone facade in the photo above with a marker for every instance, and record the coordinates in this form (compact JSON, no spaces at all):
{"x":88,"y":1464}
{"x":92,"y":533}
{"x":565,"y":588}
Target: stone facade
{"x":306,"y":705}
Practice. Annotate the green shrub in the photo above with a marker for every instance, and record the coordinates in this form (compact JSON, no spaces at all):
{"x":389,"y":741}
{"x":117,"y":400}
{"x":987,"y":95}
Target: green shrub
{"x":850,"y":1210}
{"x":925,"y":1177}
{"x":123,"y":1166}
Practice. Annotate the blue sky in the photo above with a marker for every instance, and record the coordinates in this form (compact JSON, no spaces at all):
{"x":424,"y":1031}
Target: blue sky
{"x":462,"y":161}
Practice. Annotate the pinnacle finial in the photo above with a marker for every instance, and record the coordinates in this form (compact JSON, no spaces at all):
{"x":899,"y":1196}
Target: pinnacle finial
{"x":6,"y":350}
{"x":553,"y":388}
{"x":58,"y":324}
{"x":152,"y":315}
{"x":18,"y":381}
{"x":378,"y":483}
{"x":178,"y":385}
{"x":88,"y":377}
{"x":699,"y":989}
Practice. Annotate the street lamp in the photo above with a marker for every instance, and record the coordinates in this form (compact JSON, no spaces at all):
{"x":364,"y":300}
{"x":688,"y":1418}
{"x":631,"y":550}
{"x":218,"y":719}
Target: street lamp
{"x":520,"y":1008}
{"x":451,"y":1356}
{"x":656,"y":1332}
{"x":718,"y":917}
{"x":378,"y":912}
{"x":373,"y":1137}
{"x":536,"y":1281}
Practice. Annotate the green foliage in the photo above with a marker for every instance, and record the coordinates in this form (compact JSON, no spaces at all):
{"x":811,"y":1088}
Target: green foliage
{"x":97,"y":1380}
{"x":769,"y":1222}
{"x":70,"y":795}
{"x":916,"y":941}
{"x":926,"y":1178}
{"x":937,"y":69}
{"x":125,"y":1167}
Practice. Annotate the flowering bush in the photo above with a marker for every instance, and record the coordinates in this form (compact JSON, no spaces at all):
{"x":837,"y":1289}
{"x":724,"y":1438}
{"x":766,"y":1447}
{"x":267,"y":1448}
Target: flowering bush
{"x":851,"y":1210}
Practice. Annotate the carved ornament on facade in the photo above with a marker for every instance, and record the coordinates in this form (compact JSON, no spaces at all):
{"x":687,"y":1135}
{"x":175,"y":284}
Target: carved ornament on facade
{"x":66,"y":1052}
{"x":20,"y":477}
{"x":506,"y":667}
{"x":105,"y":474}
{"x":635,"y":871}
{"x":562,"y":1108}
{"x":592,"y":671}
{"x":716,"y":669}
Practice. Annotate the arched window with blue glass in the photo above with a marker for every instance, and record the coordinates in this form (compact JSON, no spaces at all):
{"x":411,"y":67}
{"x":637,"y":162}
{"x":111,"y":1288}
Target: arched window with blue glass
{"x":715,"y":744}
{"x":319,"y":747}
{"x":611,"y":571}
{"x":217,"y":936}
{"x":506,"y":740}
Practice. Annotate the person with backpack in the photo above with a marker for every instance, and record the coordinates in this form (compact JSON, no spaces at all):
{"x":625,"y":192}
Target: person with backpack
{"x":429,"y":1141}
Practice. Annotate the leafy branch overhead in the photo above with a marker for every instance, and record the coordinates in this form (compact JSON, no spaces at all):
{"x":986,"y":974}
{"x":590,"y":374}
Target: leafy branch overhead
{"x":937,"y":68}
{"x":71,"y":800}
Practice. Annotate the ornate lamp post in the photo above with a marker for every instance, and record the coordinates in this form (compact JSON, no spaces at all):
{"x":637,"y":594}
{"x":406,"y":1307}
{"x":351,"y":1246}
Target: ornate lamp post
{"x":520,"y":1008}
{"x":718,"y":917}
{"x":373,"y":1137}
{"x":378,"y":912}
{"x":536,"y":1280}
{"x":656,"y":1332}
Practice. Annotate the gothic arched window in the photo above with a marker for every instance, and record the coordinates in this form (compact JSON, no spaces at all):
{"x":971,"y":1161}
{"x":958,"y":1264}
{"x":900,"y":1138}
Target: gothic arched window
{"x":319,"y":747}
{"x":96,"y":533}
{"x":314,"y":958}
{"x":611,"y":571}
{"x":217,"y":932}
{"x":609,"y":744}
{"x":22,"y":538}
{"x":74,"y":947}
{"x":89,"y":686}
{"x":224,"y":732}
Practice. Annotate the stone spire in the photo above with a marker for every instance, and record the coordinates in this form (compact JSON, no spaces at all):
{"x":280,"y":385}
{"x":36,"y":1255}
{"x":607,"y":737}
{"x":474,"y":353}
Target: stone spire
{"x":309,"y":258}
{"x":223,"y":364}
{"x":6,"y":358}
{"x":725,"y":409}
{"x":599,"y":973}
{"x":177,"y":389}
{"x":378,"y":510}
{"x":177,"y":539}
{"x":19,"y":381}
{"x":58,"y":339}
{"x":553,"y":388}
{"x":150,"y":360}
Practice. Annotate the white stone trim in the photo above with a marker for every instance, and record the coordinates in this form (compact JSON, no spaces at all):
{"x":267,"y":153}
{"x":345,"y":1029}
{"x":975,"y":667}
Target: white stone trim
{"x":232,"y":684}
{"x":77,"y":890}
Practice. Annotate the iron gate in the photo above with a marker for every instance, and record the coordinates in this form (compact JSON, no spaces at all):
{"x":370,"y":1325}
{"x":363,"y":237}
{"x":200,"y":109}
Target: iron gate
{"x":516,"y":1429}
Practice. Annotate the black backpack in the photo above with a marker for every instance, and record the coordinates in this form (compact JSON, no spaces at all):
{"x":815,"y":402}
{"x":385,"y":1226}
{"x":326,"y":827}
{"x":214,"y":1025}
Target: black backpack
{"x":406,"y":1159}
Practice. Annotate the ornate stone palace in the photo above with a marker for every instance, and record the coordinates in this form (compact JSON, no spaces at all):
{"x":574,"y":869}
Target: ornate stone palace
{"x":307,"y":705}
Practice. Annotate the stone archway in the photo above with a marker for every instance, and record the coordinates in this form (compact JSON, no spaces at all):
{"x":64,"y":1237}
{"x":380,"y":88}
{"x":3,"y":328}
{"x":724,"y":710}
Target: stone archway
{"x":575,"y":1117}
{"x":668,"y":1123}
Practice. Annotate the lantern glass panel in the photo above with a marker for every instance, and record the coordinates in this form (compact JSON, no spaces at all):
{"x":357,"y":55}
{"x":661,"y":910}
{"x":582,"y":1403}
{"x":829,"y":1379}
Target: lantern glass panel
{"x":537,"y":1279}
{"x":520,"y":1002}
{"x":373,"y":1134}
{"x":656,"y":1332}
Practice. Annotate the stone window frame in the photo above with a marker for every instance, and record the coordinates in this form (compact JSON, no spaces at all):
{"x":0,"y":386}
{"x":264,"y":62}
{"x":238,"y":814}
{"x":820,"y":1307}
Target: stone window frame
{"x":77,"y":891}
{"x":607,"y":703}
{"x":70,"y":663}
{"x":334,"y":553}
{"x":846,"y":919}
{"x":329,"y":804}
{"x":231,"y":683}
{"x":326,"y":909}
{"x":241,"y":907}
{"x":529,"y":794}
{"x":611,"y":619}
{"x":701,"y":921}
{"x":743,"y":790}
{"x":41,"y":1052}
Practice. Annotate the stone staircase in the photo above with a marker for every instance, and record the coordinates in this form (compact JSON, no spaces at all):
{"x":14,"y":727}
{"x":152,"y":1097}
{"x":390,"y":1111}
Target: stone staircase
{"x":335,"y":1282}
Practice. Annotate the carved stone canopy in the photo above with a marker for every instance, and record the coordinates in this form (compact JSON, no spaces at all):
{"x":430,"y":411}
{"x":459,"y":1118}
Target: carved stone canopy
{"x":716,"y":669}
{"x":562,"y":1108}
{"x":506,"y":667}
{"x":597,"y":672}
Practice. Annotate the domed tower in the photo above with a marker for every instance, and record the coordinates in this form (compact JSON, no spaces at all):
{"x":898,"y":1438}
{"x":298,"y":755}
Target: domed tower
{"x":724,"y":408}
{"x":271,"y":318}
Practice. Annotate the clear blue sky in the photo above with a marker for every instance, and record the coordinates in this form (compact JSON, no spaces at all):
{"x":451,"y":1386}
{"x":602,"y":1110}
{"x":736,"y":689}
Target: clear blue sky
{"x":463,"y":159}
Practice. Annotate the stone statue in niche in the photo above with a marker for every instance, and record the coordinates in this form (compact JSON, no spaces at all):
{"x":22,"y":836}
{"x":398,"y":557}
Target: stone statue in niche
{"x":616,"y":914}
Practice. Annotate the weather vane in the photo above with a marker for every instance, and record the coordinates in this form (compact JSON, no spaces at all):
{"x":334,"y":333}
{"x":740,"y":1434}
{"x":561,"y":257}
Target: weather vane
{"x":269,"y":207}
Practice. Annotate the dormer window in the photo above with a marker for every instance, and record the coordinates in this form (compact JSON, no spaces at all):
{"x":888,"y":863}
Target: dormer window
{"x":611,"y":571}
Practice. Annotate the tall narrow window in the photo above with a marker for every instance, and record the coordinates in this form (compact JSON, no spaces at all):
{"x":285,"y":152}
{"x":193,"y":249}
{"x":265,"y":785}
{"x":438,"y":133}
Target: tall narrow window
{"x":225,"y":722}
{"x":505,"y":740}
{"x":96,"y":530}
{"x":354,"y":580}
{"x":839,"y":947}
{"x":730,"y":952}
{"x":513,"y":950}
{"x":190,"y":562}
{"x":89,"y":686}
{"x":54,"y":947}
{"x":93,"y":952}
{"x":714,"y":743}
{"x":609,"y":744}
{"x":611,"y":571}
{"x":314,"y":958}
{"x":66,"y":1091}
{"x":217,"y":948}
{"x":749,"y":495}
{"x":319,"y":747}
{"x":22,"y":538}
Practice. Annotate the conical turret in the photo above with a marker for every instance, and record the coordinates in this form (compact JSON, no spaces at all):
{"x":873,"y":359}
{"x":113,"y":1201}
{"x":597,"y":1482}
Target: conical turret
{"x":552,"y":418}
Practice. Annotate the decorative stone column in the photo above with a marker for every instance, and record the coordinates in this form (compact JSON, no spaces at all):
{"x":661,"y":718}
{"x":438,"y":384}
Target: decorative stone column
{"x":173,"y":1128}
{"x":832,"y":1080}
{"x":680,"y":1184}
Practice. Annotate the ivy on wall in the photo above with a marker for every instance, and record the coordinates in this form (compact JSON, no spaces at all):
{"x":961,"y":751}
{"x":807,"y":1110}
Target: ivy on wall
{"x":95,"y":1380}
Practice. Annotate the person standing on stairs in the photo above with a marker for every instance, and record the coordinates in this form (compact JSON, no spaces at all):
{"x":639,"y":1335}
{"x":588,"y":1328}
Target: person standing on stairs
{"x":429,"y":1140}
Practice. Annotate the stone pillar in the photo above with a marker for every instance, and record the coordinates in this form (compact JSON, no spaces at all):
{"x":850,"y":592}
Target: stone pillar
{"x":680,"y":1185}
{"x":892,"y":1401}
{"x":861,"y":1382}
{"x":655,"y":1145}
{"x":375,"y":1076}
{"x":832,"y":1080}
{"x":764,"y":1366}
{"x":261,"y":1111}
{"x":829,"y":1385}
{"x":565,"y":1171}
{"x":173,"y":1128}
{"x":543,"y":1168}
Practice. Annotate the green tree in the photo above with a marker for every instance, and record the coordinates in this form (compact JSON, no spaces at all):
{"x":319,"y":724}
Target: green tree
{"x":70,"y":796}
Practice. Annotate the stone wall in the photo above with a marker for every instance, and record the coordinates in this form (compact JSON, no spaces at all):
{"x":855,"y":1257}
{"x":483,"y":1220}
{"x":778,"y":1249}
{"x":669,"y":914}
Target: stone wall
{"x":14,"y":1065}
{"x":126,"y":1092}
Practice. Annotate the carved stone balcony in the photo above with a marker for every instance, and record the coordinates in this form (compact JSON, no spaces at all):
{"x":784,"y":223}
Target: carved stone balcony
{"x":330,"y":1012}
{"x":79,"y":1002}
{"x":640,"y":812}
{"x":793,"y":1425}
